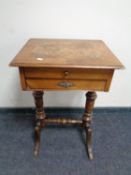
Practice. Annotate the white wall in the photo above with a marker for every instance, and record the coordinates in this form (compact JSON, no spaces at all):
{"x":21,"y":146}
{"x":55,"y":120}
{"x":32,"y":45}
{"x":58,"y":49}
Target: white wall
{"x":109,"y":20}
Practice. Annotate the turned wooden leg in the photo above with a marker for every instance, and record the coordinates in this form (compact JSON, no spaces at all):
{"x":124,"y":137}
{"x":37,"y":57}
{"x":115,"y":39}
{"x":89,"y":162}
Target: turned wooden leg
{"x":40,"y":119}
{"x":87,"y":118}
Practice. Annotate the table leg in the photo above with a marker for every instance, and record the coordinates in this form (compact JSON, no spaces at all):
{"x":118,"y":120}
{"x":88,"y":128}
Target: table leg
{"x":87,"y":118}
{"x":40,"y":119}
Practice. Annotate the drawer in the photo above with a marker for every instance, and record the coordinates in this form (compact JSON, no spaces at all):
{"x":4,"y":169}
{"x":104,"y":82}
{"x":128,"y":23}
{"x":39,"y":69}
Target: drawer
{"x":54,"y":84}
{"x":65,"y":79}
{"x":54,"y":73}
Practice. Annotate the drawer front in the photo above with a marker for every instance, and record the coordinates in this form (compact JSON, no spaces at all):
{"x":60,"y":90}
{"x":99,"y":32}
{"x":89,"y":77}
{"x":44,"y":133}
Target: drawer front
{"x":63,"y":79}
{"x":54,"y":73}
{"x":54,"y":84}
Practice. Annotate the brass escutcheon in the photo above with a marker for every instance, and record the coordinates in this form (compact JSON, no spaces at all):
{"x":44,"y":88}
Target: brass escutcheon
{"x":65,"y":84}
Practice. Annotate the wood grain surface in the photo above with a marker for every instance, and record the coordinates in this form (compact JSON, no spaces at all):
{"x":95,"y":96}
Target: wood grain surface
{"x":66,"y":53}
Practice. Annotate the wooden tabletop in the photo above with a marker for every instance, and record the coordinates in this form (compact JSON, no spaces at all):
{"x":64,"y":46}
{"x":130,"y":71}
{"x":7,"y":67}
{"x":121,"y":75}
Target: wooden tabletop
{"x":63,"y":53}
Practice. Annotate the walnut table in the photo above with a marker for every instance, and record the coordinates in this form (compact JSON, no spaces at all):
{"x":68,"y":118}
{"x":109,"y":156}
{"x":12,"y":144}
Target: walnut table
{"x":60,"y":64}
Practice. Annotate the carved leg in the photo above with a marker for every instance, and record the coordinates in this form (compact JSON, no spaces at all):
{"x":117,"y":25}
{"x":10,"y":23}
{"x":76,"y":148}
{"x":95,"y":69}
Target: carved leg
{"x":87,"y":118}
{"x":40,"y":119}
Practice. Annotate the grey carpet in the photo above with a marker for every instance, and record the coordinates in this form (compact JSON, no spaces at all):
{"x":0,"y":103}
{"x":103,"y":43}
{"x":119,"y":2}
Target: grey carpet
{"x":63,"y":149}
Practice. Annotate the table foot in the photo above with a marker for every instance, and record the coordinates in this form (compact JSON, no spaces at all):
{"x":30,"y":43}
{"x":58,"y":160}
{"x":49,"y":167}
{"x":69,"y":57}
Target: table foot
{"x":89,"y":143}
{"x":37,"y":139}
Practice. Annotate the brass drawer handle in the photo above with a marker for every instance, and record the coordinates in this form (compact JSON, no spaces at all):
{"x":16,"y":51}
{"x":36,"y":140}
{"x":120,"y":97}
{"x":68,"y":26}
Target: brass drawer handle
{"x":65,"y":84}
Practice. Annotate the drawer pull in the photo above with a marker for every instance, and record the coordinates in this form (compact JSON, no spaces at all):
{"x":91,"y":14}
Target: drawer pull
{"x":65,"y":84}
{"x":66,"y":73}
